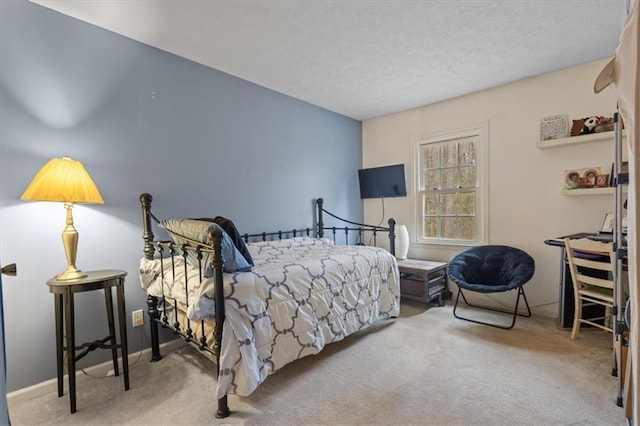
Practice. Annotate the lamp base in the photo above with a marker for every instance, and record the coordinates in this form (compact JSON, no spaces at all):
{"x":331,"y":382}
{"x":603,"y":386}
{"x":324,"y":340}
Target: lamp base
{"x":70,"y":274}
{"x":70,"y":242}
{"x":402,"y":243}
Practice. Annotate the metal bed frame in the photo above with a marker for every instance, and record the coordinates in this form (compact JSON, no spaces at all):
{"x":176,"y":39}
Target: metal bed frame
{"x":157,"y":306}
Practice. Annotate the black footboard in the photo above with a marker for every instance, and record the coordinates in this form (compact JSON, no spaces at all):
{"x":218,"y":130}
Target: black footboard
{"x":154,"y":319}
{"x":158,"y":317}
{"x":152,"y":301}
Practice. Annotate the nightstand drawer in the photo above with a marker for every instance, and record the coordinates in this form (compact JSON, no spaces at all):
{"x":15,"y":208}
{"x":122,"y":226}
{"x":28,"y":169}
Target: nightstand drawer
{"x":412,"y":286}
{"x":420,"y":285}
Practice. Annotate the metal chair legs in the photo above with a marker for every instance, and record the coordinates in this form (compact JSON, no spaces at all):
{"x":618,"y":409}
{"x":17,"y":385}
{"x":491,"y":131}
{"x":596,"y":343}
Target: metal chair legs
{"x":515,"y":312}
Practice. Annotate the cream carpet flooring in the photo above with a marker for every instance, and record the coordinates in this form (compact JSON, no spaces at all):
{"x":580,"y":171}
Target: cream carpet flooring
{"x":424,"y":368}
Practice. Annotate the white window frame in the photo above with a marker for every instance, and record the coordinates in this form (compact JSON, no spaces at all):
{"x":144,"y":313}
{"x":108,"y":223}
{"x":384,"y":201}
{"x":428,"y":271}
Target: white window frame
{"x":482,"y":190}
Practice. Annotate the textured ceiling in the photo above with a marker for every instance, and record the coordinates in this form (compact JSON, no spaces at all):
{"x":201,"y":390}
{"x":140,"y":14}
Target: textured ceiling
{"x":363,"y":58}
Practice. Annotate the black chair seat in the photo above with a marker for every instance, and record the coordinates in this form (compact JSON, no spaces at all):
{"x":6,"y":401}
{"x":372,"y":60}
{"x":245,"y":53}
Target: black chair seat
{"x":491,"y":269}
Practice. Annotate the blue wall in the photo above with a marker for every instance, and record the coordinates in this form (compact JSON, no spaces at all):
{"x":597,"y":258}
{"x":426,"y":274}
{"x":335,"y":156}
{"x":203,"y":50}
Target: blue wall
{"x":141,"y":120}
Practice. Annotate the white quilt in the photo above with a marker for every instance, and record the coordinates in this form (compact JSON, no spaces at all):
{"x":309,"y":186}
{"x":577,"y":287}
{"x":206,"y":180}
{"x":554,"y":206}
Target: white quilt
{"x":302,"y":294}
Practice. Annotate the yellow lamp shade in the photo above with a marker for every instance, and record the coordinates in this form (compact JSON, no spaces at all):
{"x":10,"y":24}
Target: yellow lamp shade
{"x":64,"y":180}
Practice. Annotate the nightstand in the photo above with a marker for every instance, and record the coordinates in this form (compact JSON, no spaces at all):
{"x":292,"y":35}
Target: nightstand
{"x":63,"y":292}
{"x":423,"y":280}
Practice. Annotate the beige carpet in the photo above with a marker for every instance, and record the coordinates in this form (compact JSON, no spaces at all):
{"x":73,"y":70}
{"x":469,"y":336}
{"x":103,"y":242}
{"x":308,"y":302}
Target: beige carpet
{"x":424,"y":368}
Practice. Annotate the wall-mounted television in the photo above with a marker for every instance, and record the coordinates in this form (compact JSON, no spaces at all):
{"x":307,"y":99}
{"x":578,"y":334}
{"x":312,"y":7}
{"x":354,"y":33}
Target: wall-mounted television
{"x":382,"y":182}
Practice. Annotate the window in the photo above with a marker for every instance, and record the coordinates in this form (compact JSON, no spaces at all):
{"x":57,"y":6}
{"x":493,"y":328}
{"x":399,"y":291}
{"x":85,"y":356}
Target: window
{"x":451,"y":193}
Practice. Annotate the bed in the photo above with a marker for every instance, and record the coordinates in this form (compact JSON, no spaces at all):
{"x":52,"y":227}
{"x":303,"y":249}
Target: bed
{"x":253,"y":303}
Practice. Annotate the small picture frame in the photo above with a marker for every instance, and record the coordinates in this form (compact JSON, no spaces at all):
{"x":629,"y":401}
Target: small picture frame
{"x":602,"y":181}
{"x":554,"y":127}
{"x":608,"y":223}
{"x":590,"y":177}
{"x":572,"y":179}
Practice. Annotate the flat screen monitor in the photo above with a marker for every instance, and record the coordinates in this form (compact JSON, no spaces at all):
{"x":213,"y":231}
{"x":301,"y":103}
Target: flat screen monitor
{"x":382,"y":182}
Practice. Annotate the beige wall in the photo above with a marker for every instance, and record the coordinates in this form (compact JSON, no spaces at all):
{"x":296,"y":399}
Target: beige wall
{"x":525,"y":204}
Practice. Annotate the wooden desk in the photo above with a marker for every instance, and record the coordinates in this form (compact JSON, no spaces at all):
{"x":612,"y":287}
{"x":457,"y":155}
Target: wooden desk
{"x":63,"y":292}
{"x":423,"y":280}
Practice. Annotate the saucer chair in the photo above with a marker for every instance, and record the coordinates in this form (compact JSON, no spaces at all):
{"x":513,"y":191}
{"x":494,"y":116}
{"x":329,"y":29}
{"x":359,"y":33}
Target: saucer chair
{"x":491,"y":269}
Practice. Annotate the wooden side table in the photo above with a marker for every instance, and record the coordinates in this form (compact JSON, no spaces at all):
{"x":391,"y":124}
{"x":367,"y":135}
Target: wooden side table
{"x":423,"y":280}
{"x":63,"y":292}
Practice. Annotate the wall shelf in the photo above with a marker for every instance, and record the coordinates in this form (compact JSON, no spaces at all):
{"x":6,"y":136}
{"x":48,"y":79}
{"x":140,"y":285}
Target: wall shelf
{"x":593,"y":137}
{"x":591,"y":191}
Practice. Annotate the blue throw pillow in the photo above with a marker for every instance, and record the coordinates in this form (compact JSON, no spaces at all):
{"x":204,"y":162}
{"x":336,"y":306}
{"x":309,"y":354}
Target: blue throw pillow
{"x":183,"y":230}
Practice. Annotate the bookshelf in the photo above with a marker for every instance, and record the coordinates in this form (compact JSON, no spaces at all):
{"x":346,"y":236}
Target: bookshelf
{"x":610,"y":190}
{"x":574,"y":140}
{"x":577,"y":140}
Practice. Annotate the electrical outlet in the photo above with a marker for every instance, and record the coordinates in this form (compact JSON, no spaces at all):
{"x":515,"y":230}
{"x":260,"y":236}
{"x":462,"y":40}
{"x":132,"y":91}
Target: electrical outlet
{"x":137,"y":318}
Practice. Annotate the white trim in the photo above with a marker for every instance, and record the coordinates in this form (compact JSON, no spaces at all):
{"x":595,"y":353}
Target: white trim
{"x":481,"y":131}
{"x":50,"y":386}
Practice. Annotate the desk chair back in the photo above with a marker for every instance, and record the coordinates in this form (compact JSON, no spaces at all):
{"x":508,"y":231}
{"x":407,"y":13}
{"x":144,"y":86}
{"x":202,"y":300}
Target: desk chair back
{"x":592,"y":273}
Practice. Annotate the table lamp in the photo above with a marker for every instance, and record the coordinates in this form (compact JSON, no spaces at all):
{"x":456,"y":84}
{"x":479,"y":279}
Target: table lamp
{"x":67,"y":181}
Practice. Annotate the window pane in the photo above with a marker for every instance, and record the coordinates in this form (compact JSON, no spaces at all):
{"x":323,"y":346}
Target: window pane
{"x":449,"y":158}
{"x":447,"y":204}
{"x":467,"y":177}
{"x":430,"y":156}
{"x":467,"y":203}
{"x":449,"y":230}
{"x":467,"y":228}
{"x":449,"y":178}
{"x":431,"y":179}
{"x":431,"y":227}
{"x":431,"y":204}
{"x":467,"y":152}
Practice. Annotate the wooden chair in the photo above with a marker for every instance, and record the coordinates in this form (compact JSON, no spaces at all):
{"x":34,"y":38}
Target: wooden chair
{"x":592,"y":269}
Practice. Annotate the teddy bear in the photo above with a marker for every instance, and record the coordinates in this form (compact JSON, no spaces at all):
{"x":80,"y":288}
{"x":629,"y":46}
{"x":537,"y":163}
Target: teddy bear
{"x":589,"y":125}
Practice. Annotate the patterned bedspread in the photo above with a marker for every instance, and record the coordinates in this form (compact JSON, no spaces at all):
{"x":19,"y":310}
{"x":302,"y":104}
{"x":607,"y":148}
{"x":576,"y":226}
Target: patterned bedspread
{"x":302,"y":294}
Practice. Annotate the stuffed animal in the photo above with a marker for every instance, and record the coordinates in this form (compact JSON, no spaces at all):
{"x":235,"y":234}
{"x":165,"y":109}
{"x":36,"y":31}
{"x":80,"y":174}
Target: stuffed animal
{"x":577,"y":126}
{"x":589,"y":125}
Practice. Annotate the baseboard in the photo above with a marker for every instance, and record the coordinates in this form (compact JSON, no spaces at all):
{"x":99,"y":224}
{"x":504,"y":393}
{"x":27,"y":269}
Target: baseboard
{"x":100,"y":370}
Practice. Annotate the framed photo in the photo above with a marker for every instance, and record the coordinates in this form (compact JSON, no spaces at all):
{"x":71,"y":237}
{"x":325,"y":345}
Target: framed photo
{"x":554,"y":127}
{"x":608,"y":223}
{"x":590,"y":177}
{"x":602,"y":181}
{"x":572,"y":179}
